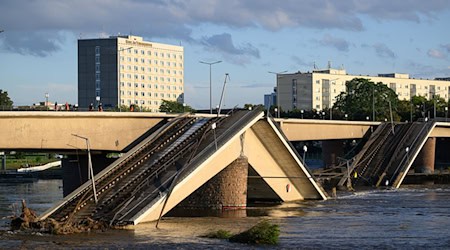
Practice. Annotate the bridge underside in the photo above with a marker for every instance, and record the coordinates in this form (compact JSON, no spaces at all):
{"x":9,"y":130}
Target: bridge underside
{"x":175,"y":161}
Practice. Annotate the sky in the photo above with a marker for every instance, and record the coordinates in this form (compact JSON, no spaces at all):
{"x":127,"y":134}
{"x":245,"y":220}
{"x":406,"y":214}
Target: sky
{"x":38,"y":48}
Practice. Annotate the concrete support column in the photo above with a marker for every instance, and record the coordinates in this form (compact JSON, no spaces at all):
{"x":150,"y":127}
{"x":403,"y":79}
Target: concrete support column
{"x":227,"y":191}
{"x":424,"y":162}
{"x":75,"y":170}
{"x":331,"y":150}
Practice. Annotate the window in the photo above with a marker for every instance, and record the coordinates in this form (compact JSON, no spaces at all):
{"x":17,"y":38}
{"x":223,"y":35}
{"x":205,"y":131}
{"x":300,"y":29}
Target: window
{"x":143,"y":86}
{"x":136,"y":85}
{"x":97,"y":59}
{"x":97,"y":50}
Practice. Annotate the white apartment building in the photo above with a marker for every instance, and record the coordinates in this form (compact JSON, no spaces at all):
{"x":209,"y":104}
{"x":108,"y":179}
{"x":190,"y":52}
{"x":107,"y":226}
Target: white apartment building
{"x":319,"y":89}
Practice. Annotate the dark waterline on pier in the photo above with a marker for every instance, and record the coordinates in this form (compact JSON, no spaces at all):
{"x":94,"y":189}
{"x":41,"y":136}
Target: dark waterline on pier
{"x":411,"y":217}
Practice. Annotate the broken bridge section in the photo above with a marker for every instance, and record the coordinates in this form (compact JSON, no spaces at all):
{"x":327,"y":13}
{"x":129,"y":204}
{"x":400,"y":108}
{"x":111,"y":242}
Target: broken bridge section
{"x":175,"y":161}
{"x":388,"y":154}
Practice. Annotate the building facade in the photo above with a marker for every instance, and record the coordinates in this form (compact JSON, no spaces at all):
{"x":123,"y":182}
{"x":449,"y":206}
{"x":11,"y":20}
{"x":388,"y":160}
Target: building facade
{"x":318,"y":89}
{"x":126,"y":70}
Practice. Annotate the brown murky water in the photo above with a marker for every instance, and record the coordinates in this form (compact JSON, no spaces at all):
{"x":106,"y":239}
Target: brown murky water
{"x":412,"y":217}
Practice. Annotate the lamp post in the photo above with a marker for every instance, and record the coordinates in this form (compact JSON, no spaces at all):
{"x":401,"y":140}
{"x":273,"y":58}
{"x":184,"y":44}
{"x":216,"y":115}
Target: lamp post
{"x":97,"y":98}
{"x":210,"y":82}
{"x":119,"y":94}
{"x":301,"y":112}
{"x":46,"y":100}
{"x":446,"y":113}
{"x":278,"y":89}
{"x":305,"y":149}
{"x":407,"y":154}
{"x":90,"y":169}
{"x":346,"y":116}
{"x":323,"y":115}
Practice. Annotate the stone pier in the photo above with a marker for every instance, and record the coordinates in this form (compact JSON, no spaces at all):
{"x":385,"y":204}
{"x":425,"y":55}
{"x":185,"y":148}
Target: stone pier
{"x":225,"y":194}
{"x":424,"y":162}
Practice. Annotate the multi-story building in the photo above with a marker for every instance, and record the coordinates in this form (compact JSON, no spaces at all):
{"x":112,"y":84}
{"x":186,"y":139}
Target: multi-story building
{"x":126,"y":70}
{"x":318,"y":89}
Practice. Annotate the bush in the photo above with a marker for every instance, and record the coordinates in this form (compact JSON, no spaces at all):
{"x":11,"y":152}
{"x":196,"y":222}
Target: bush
{"x":220,"y":234}
{"x":262,"y":233}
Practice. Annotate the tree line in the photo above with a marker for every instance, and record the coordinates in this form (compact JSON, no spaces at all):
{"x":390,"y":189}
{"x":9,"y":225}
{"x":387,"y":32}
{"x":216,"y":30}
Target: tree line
{"x":366,"y":100}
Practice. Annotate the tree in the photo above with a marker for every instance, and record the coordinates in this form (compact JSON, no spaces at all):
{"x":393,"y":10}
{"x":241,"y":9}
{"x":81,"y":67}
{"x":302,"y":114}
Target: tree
{"x":5,"y":101}
{"x":363,"y":98}
{"x":174,"y":107}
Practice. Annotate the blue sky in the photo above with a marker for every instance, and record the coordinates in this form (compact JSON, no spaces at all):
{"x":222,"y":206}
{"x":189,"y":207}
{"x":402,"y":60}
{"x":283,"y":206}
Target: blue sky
{"x":38,"y":48}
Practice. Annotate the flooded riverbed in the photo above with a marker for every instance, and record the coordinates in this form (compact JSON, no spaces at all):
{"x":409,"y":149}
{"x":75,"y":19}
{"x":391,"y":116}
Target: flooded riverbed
{"x":412,"y":217}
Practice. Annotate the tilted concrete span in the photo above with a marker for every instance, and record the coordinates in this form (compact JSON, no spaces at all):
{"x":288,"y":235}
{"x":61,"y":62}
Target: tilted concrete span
{"x":178,"y":159}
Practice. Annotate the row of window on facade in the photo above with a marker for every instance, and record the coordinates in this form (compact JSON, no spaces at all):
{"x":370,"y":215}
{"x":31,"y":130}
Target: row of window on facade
{"x":149,"y":61}
{"x":149,"y":94}
{"x":149,"y":53}
{"x":155,"y":70}
{"x":141,"y":102}
{"x":143,"y":85}
{"x":150,"y":78}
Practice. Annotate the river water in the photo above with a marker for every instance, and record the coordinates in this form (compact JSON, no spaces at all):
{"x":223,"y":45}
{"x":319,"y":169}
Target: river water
{"x":413,"y":217}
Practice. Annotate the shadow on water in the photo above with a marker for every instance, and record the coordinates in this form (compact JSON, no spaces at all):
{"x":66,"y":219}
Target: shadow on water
{"x":411,"y":217}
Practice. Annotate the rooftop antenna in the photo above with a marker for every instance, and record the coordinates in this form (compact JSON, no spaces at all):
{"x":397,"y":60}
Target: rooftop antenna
{"x":315,"y":67}
{"x":329,"y":64}
{"x":342,"y":66}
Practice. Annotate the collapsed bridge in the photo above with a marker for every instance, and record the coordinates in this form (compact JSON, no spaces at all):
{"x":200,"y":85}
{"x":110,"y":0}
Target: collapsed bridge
{"x":181,"y":156}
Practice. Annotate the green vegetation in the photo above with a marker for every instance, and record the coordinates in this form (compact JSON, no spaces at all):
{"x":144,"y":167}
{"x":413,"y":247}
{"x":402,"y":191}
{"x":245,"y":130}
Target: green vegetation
{"x":20,"y":159}
{"x":262,"y":233}
{"x":363,"y":99}
{"x":174,"y":107}
{"x":220,"y":234}
{"x":5,"y":101}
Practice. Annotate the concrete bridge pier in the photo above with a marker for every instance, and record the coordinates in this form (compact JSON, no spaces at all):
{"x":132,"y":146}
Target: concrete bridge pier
{"x":224,"y":195}
{"x":424,"y":162}
{"x":331,"y":150}
{"x":75,"y":169}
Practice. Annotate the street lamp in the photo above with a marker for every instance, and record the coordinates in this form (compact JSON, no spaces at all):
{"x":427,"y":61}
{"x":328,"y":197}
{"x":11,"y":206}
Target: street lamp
{"x":46,"y":100}
{"x":210,"y":84}
{"x":118,"y":77}
{"x":305,"y":149}
{"x":301,"y":112}
{"x":446,"y":113}
{"x":323,"y":115}
{"x":278,"y":89}
{"x":346,"y":116}
{"x":276,"y":111}
{"x":97,"y":98}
